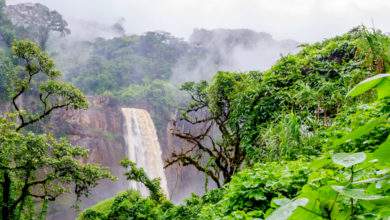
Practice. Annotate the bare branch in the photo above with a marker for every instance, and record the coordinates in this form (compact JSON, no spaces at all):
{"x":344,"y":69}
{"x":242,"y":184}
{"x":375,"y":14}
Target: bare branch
{"x":41,"y":116}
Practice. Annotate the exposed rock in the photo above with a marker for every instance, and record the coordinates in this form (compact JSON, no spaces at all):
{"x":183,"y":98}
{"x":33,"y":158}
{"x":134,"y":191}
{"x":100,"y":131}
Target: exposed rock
{"x":182,"y":180}
{"x":99,"y":129}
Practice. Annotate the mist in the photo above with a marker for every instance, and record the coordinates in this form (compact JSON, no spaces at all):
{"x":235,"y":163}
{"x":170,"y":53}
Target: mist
{"x":283,"y":19}
{"x":238,"y":50}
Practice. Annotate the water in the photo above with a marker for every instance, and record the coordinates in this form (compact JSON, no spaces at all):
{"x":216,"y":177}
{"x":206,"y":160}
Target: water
{"x":143,"y":147}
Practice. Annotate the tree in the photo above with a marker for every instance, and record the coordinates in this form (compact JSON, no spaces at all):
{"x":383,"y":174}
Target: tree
{"x":6,"y":28}
{"x":213,"y":146}
{"x":36,"y":21}
{"x":7,"y":70}
{"x":130,"y":204}
{"x":139,"y":175}
{"x":39,"y":76}
{"x":37,"y":168}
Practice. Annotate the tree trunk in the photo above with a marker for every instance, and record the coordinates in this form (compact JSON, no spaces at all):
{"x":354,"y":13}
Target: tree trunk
{"x":5,"y":209}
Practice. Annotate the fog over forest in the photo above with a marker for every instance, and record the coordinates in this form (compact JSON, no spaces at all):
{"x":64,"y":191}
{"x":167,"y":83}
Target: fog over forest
{"x":301,"y":20}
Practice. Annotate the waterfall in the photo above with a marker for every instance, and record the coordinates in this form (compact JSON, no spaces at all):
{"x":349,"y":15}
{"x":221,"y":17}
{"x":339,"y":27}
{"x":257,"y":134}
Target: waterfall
{"x":143,"y":147}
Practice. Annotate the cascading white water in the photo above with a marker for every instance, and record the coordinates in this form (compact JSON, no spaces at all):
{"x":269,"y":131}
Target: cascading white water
{"x":143,"y":147}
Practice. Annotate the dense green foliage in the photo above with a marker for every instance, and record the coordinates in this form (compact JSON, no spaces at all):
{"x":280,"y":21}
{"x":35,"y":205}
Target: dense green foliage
{"x":40,"y":168}
{"x":330,"y":139}
{"x":353,"y":185}
{"x":118,"y":63}
{"x":280,"y":113}
{"x":135,"y":70}
{"x":127,"y":205}
{"x":308,"y":89}
{"x":251,"y":191}
{"x":130,"y":204}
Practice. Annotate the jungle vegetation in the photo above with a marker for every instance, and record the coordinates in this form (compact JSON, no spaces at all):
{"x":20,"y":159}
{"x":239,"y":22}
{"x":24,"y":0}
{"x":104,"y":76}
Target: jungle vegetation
{"x":312,"y":131}
{"x":306,"y":139}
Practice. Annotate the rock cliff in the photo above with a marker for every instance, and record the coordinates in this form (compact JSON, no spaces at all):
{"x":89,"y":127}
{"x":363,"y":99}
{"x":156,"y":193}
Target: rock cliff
{"x":99,"y":129}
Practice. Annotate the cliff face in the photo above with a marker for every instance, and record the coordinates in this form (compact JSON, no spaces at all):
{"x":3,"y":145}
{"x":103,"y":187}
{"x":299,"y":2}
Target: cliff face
{"x":184,"y":180}
{"x":99,"y":129}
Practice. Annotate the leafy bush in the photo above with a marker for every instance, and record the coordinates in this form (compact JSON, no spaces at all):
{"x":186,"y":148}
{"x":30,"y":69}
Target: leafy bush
{"x":352,"y":185}
{"x":309,"y":86}
{"x":128,"y":205}
{"x":193,"y":206}
{"x":251,"y":191}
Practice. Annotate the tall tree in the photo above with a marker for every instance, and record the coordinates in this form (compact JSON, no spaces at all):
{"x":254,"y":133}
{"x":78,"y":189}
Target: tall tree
{"x":212,"y":146}
{"x":37,"y":168}
{"x":36,"y":21}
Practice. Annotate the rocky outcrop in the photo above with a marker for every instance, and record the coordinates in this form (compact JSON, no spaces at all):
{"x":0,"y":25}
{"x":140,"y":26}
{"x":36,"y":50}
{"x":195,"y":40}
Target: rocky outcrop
{"x":99,"y":129}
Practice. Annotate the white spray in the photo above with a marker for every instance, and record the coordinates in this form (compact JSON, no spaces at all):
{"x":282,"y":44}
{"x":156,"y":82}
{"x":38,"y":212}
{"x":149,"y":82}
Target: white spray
{"x":143,"y":147}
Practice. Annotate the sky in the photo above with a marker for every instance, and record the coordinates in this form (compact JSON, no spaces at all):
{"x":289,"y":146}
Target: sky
{"x":301,"y":20}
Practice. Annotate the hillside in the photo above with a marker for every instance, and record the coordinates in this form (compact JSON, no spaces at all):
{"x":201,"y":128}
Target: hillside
{"x":289,"y":113}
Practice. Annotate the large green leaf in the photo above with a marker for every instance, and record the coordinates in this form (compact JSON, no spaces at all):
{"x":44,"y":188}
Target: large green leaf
{"x":362,"y":130}
{"x":281,"y":201}
{"x":356,"y":193}
{"x":383,"y":151}
{"x":285,"y":211}
{"x":372,"y":180}
{"x":370,"y":83}
{"x":383,"y":88}
{"x":348,"y":159}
